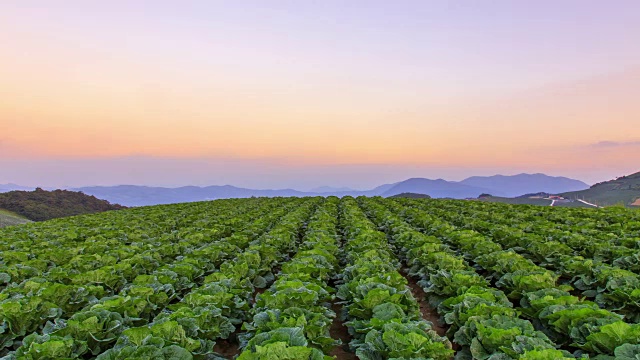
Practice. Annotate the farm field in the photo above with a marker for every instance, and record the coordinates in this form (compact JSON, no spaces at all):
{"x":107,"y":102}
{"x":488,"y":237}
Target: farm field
{"x":321,"y":278}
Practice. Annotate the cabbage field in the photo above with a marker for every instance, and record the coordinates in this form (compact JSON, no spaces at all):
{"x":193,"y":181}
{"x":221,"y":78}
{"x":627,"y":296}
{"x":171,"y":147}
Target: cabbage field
{"x":322,"y":278}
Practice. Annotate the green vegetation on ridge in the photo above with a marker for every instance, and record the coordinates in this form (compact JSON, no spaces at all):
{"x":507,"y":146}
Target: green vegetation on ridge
{"x":40,"y":205}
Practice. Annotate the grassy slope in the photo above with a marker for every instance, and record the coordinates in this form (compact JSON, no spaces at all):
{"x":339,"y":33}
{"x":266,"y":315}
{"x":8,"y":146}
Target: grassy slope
{"x":574,"y":204}
{"x":7,"y":218}
{"x":623,"y":190}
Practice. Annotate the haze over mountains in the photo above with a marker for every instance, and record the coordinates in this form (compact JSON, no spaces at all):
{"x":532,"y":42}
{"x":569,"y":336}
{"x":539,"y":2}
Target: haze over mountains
{"x":499,"y":185}
{"x":13,"y":187}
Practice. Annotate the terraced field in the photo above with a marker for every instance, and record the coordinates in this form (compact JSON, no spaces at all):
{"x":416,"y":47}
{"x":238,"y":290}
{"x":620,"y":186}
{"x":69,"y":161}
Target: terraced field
{"x":322,"y":278}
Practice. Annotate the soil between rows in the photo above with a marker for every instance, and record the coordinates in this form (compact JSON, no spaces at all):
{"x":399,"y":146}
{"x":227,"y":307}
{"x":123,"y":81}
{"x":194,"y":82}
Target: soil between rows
{"x":428,"y":312}
{"x":339,"y":331}
{"x":228,"y":348}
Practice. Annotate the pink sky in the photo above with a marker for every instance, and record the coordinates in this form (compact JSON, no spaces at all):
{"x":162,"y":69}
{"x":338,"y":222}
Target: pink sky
{"x":287,"y":93}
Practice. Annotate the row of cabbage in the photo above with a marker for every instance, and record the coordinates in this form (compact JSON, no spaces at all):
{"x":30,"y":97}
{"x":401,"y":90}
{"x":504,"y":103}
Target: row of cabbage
{"x":28,"y":305}
{"x":569,"y":320}
{"x":604,"y":234}
{"x":481,"y":319}
{"x":112,"y":263}
{"x":621,"y":223}
{"x":610,"y":286}
{"x":73,"y":249}
{"x":95,"y":322}
{"x":382,"y":315}
{"x":189,"y":329}
{"x":291,"y":320}
{"x":500,"y":223}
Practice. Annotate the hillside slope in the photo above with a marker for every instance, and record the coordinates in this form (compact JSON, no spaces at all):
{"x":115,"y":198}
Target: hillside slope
{"x":40,"y":205}
{"x":624,"y":190}
{"x":7,"y":218}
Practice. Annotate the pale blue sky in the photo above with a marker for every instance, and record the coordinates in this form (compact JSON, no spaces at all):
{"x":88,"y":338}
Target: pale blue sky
{"x":292,"y":93}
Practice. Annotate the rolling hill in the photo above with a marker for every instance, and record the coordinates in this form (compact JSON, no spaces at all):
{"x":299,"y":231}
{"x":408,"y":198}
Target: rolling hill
{"x":505,"y":186}
{"x":131,"y":195}
{"x":623,"y":190}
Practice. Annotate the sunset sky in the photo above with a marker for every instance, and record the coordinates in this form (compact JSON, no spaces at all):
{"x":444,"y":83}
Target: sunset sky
{"x":309,"y":93}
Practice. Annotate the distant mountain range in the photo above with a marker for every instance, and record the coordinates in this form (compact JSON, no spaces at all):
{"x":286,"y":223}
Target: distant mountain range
{"x":499,"y":185}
